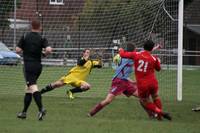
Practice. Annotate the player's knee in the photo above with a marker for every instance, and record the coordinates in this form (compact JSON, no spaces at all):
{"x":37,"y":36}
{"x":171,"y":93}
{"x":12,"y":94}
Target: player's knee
{"x":58,"y":84}
{"x":28,"y":91}
{"x":32,"y":88}
{"x":85,"y":86}
{"x":106,"y":101}
{"x":88,"y":86}
{"x":109,"y":101}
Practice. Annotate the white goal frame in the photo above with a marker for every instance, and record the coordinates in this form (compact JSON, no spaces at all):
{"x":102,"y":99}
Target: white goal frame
{"x":180,"y":51}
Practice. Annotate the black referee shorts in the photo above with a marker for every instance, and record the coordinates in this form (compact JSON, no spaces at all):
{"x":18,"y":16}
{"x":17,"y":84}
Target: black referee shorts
{"x":32,"y":71}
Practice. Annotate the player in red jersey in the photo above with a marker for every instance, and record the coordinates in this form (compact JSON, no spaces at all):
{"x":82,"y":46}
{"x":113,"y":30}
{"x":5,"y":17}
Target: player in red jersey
{"x":145,"y":65}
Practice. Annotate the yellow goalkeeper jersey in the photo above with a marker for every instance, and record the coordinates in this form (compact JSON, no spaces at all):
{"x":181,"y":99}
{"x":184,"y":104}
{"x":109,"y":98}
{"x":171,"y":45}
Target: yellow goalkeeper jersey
{"x":81,"y":72}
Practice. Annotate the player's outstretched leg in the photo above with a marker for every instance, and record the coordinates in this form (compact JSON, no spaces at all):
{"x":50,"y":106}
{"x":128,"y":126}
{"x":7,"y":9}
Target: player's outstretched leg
{"x":101,"y":105}
{"x":96,"y":109}
{"x":46,"y":89}
{"x":52,"y":86}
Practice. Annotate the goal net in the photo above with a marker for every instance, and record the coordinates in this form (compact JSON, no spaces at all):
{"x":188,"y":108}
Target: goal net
{"x":102,"y":25}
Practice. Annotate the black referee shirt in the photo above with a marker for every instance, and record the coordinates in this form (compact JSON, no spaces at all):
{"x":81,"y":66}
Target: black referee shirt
{"x":32,"y":43}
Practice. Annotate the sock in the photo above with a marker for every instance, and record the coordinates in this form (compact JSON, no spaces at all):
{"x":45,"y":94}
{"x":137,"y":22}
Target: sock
{"x":27,"y":101}
{"x":149,"y":112}
{"x":46,"y":89}
{"x":76,"y":90}
{"x":158,"y":103}
{"x":38,"y":99}
{"x":96,"y":109}
{"x":153,"y":107}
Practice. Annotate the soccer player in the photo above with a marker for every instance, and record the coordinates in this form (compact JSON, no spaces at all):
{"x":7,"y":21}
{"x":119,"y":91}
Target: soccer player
{"x":145,"y":65}
{"x":121,"y":84}
{"x":32,"y":44}
{"x":76,"y":77}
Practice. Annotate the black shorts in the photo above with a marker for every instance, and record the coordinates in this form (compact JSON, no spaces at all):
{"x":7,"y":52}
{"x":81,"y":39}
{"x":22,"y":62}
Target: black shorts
{"x":32,"y":71}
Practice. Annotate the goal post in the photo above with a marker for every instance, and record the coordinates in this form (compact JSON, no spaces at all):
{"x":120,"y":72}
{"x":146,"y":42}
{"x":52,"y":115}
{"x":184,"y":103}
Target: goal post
{"x":180,"y":51}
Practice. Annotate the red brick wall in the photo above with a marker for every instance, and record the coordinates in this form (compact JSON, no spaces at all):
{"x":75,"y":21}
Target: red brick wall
{"x":52,"y":14}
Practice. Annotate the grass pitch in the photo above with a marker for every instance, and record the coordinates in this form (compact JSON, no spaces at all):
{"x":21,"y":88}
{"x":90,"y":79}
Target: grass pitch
{"x":124,"y":115}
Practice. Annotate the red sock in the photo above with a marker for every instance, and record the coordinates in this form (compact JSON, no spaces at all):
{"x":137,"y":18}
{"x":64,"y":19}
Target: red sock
{"x":149,"y":112}
{"x":158,"y":103}
{"x":96,"y":109}
{"x":152,"y":107}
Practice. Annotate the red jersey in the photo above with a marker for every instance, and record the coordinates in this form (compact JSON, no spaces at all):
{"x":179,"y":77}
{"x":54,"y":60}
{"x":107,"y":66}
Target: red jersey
{"x":145,"y":64}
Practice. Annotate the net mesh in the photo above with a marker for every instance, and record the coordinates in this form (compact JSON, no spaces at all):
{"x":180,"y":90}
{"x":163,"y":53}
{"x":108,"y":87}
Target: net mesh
{"x":101,"y":25}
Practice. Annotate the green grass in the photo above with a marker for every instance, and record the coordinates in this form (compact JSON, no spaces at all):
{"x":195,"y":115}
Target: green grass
{"x":124,"y":115}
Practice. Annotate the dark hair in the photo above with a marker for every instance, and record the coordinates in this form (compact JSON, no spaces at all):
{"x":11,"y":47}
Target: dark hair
{"x":35,"y":24}
{"x":130,"y":46}
{"x":148,"y":45}
{"x":86,"y":50}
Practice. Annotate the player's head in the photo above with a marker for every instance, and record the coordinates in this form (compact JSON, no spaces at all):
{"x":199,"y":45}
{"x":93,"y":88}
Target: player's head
{"x":35,"y":24}
{"x":86,"y":52}
{"x":148,"y":45}
{"x":130,"y":46}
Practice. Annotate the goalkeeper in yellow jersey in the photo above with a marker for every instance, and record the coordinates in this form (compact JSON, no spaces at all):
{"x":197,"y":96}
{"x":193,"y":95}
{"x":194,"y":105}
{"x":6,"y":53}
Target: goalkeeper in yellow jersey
{"x":76,"y":76}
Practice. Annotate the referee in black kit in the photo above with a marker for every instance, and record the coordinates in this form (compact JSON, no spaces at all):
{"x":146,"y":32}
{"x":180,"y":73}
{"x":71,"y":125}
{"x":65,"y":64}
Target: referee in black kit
{"x":31,"y":45}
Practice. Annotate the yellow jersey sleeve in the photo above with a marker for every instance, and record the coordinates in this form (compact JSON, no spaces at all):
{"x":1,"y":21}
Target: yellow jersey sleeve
{"x":97,"y":64}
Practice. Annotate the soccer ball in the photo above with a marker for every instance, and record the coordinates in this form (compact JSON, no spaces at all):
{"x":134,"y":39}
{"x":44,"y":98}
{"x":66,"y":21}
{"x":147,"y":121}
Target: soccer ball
{"x":116,"y":59}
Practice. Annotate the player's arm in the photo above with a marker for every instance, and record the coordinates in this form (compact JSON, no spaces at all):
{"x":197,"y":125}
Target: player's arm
{"x":97,"y":64}
{"x":18,"y":48}
{"x":157,"y":47}
{"x":81,"y":61}
{"x":47,"y":48}
{"x":157,"y":64}
{"x":125,"y":54}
